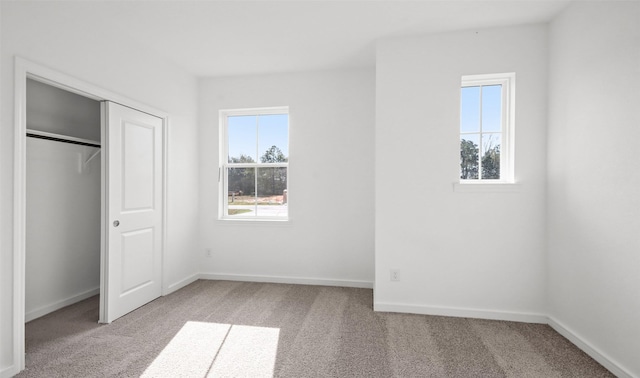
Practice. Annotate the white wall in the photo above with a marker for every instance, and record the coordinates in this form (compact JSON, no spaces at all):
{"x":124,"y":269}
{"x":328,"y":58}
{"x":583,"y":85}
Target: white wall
{"x":62,"y":226}
{"x":329,"y":237}
{"x":594,"y":176}
{"x":5,"y":263}
{"x":57,"y":111}
{"x":470,"y":254}
{"x":71,"y":37}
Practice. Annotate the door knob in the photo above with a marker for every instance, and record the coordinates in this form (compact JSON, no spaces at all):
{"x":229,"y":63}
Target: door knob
{"x":116,"y":223}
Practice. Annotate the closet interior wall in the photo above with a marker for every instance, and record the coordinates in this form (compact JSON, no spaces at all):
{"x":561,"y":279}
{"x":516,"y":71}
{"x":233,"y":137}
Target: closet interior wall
{"x":63,"y":192}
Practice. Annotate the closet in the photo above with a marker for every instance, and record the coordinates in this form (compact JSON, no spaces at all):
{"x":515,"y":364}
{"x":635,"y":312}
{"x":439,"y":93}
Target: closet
{"x":63,"y":199}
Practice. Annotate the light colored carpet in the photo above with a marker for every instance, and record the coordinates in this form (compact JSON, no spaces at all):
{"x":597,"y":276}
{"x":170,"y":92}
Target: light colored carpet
{"x":238,"y":329}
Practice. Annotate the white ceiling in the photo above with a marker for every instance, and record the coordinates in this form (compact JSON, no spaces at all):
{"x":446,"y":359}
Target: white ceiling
{"x":223,"y":38}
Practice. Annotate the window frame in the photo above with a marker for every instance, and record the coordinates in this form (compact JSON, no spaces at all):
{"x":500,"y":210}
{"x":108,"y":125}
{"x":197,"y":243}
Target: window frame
{"x":507,"y":155}
{"x":224,"y":165}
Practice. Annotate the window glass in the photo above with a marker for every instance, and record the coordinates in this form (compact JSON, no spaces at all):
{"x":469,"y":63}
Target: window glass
{"x":469,"y":154}
{"x":492,"y":108}
{"x":491,"y":156}
{"x":470,"y":109}
{"x":272,"y":187}
{"x":254,"y":180}
{"x":241,"y":190}
{"x":242,"y":134}
{"x":273,"y":140}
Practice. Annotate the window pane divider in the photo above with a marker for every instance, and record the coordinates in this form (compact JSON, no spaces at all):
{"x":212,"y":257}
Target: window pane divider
{"x":481,"y":148}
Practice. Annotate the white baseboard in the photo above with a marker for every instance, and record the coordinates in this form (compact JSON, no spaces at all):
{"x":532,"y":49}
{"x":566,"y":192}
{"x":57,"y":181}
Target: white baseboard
{"x":461,"y":312}
{"x":44,"y":310}
{"x":287,"y":280}
{"x":589,"y":349}
{"x":180,"y":284}
{"x":578,"y":341}
{"x":8,"y":371}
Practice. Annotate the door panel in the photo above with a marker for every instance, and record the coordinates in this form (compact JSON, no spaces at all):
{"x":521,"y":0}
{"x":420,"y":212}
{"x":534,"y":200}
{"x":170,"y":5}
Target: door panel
{"x":137,"y":259}
{"x":139,"y":172}
{"x":134,"y":209}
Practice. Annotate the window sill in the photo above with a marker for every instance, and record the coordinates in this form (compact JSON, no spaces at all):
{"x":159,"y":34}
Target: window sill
{"x":486,"y":187}
{"x":257,"y":222}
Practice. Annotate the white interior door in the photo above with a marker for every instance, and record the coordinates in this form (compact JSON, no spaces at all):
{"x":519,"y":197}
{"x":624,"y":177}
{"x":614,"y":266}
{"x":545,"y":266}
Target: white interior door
{"x":132,"y":260}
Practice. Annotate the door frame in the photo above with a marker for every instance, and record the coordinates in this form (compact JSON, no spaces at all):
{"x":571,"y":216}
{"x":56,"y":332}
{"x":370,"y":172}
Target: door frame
{"x":25,"y":69}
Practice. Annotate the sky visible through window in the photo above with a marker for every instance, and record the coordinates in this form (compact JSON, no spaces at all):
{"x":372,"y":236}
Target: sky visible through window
{"x":480,"y":131}
{"x":253,"y":135}
{"x":491,"y":109}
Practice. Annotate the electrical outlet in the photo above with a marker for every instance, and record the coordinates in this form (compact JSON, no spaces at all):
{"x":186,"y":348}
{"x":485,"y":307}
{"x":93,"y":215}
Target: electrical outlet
{"x":395,"y":275}
{"x":208,"y":252}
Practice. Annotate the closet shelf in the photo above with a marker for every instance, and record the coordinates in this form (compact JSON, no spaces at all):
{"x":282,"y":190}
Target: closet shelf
{"x":62,"y":138}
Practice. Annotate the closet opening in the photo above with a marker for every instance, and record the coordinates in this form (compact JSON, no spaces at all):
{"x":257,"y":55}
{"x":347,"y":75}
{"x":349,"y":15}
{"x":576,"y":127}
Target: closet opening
{"x":89,"y":206}
{"x":62,"y":205}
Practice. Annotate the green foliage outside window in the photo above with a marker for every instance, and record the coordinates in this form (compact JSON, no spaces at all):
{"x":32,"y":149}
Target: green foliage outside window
{"x":470,"y":165}
{"x":271,"y":180}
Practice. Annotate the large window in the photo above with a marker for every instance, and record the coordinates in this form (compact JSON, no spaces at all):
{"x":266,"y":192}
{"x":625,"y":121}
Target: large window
{"x":486,"y":128}
{"x":255,"y":163}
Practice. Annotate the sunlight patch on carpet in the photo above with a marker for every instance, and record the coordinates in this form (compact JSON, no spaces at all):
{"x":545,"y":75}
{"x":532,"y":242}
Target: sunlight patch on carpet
{"x":218,"y":350}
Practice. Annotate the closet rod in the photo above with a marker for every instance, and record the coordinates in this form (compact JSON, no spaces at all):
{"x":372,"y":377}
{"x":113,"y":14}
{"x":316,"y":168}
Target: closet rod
{"x":61,"y":138}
